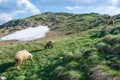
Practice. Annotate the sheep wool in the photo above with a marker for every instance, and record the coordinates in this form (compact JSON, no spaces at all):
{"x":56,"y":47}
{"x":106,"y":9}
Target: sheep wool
{"x":49,"y":44}
{"x":21,"y":56}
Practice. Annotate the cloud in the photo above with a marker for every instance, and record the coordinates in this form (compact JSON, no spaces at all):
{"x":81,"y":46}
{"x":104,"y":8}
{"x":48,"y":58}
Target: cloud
{"x":28,"y":6}
{"x":83,"y":3}
{"x":5,"y":17}
{"x":16,"y":9}
{"x":72,"y":8}
{"x":81,"y":6}
{"x":54,"y":3}
{"x":98,"y":6}
{"x":114,"y":2}
{"x":112,"y":10}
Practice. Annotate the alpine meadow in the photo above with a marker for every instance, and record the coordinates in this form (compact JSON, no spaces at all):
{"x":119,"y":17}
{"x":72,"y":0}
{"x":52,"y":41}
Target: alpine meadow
{"x":85,"y":47}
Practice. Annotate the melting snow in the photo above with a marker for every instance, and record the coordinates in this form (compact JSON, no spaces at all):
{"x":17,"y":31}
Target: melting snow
{"x":27,"y":34}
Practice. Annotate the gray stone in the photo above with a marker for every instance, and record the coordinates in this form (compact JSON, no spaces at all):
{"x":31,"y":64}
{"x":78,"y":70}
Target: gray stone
{"x":2,"y":78}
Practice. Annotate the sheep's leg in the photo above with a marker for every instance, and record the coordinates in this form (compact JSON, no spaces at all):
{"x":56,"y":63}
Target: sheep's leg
{"x":48,"y":46}
{"x":52,"y":46}
{"x":16,"y":60}
{"x":45,"y":47}
{"x":19,"y":63}
{"x":18,"y":66}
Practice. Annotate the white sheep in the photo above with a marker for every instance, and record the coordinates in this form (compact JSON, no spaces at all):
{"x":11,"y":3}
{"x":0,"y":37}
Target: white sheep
{"x":49,"y":44}
{"x":21,"y":56}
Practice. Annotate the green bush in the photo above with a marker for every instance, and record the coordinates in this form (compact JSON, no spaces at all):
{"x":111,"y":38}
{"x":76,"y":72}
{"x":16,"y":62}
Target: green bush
{"x":72,"y":75}
{"x":111,"y":39}
{"x":103,"y":47}
{"x":72,"y":65}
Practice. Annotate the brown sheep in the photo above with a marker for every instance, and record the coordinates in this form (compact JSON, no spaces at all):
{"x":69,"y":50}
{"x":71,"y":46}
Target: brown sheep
{"x":49,"y":44}
{"x":110,"y":21}
{"x":21,"y":56}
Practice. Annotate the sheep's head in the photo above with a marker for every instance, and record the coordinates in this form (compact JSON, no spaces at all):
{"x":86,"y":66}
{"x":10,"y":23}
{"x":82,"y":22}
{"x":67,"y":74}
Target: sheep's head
{"x":30,"y":56}
{"x":51,"y":41}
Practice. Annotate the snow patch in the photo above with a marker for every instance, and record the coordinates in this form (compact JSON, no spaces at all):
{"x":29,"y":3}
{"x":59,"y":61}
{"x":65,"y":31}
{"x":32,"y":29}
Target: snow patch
{"x":28,"y":34}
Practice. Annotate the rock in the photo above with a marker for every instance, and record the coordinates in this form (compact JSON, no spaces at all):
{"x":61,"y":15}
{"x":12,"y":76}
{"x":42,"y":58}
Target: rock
{"x":27,"y":23}
{"x":35,"y":25}
{"x":86,"y":53}
{"x":101,"y":75}
{"x":2,"y":78}
{"x":109,"y":30}
{"x":111,"y":57}
{"x":115,"y":65}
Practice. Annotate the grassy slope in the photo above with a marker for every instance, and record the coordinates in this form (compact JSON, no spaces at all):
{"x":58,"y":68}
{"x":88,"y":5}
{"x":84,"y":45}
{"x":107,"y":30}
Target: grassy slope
{"x":66,"y":22}
{"x":63,"y":62}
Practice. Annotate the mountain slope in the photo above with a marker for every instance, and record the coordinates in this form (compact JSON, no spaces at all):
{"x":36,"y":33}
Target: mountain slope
{"x":68,"y":23}
{"x":79,"y":57}
{"x":91,"y":54}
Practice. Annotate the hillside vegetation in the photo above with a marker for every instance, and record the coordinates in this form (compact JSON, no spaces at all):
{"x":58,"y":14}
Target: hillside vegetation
{"x":67,"y":23}
{"x":91,"y":54}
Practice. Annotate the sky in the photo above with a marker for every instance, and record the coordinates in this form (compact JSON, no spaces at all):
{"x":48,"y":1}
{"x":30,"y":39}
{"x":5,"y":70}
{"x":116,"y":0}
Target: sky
{"x":17,"y":9}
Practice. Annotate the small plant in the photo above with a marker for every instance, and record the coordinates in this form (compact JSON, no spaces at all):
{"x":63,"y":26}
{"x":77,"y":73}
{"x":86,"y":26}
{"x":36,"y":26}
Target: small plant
{"x":72,"y":75}
{"x":72,"y":65}
{"x":103,"y":47}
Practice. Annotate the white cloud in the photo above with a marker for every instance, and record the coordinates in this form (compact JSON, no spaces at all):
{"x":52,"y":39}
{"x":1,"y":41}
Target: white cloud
{"x":10,"y":9}
{"x":110,"y":7}
{"x":114,"y":2}
{"x":29,"y":6}
{"x":5,"y":17}
{"x":112,"y":10}
{"x":72,"y":8}
{"x":89,"y":1}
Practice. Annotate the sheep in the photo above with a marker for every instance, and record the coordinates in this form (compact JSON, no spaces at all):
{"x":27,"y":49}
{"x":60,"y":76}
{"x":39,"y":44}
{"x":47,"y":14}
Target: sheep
{"x":21,"y":56}
{"x":110,"y":21}
{"x":49,"y":44}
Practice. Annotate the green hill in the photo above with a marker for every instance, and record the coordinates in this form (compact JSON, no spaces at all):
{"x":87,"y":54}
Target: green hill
{"x":67,"y":23}
{"x":91,"y":53}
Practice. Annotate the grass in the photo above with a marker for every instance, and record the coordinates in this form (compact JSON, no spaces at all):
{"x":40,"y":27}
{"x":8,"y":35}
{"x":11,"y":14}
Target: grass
{"x":64,"y":61}
{"x":44,"y":61}
{"x":66,"y":22}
